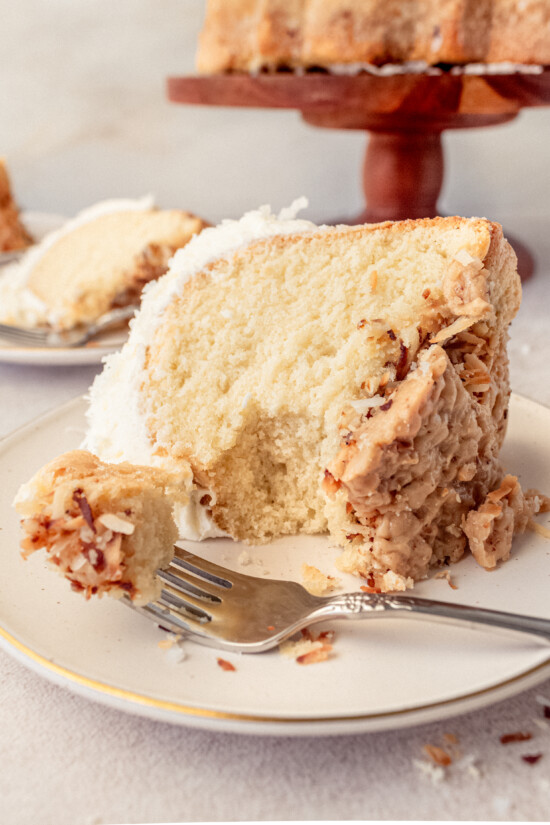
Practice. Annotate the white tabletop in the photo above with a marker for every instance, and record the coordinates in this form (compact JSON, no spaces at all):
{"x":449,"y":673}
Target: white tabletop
{"x":84,"y":118}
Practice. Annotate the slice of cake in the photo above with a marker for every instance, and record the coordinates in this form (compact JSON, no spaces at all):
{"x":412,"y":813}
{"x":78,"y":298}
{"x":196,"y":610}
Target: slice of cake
{"x":105,"y":527}
{"x":99,"y":261}
{"x":259,"y":35}
{"x":13,"y":235}
{"x":350,"y":380}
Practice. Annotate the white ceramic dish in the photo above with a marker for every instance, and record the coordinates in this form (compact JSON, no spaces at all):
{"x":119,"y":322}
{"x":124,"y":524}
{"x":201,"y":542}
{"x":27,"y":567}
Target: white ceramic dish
{"x":92,"y":353}
{"x":383,"y":674}
{"x":39,"y":225}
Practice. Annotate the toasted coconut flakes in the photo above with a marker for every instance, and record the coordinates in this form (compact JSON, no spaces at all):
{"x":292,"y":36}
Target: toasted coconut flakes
{"x":435,"y":772}
{"x":173,"y":645}
{"x":444,"y":574}
{"x":86,"y":535}
{"x":517,"y":736}
{"x":437,"y":755}
{"x":61,"y":498}
{"x":468,"y":763}
{"x":463,"y":257}
{"x":306,"y":651}
{"x":539,"y":528}
{"x":531,"y":758}
{"x":167,"y":643}
{"x":450,"y":738}
{"x":373,"y":279}
{"x":116,"y":524}
{"x":361,"y":405}
{"x":84,"y":506}
{"x":315,"y":582}
{"x":314,"y":656}
{"x":78,"y":564}
{"x":394,"y":582}
{"x":225,"y":665}
{"x":453,"y":329}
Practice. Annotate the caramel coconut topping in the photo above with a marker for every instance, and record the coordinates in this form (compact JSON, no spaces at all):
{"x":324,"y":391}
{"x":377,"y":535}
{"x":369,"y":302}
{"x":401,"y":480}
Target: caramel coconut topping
{"x":87,"y":550}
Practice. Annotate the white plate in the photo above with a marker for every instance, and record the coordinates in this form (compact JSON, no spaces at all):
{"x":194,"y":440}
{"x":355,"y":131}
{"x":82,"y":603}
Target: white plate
{"x":92,"y":353}
{"x":39,"y":225}
{"x":383,"y":674}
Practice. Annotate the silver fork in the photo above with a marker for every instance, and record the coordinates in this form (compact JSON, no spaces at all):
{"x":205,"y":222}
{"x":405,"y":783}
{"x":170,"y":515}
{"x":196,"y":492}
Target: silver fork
{"x":75,"y":337}
{"x":220,"y":608}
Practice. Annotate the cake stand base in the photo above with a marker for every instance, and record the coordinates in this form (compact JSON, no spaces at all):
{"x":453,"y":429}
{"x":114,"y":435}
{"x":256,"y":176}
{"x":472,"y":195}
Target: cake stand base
{"x":404,"y":114}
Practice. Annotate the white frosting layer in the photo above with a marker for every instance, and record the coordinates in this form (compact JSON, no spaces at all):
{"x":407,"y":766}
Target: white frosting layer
{"x":418,"y":67}
{"x":422,"y":67}
{"x":117,"y":413}
{"x":18,"y":304}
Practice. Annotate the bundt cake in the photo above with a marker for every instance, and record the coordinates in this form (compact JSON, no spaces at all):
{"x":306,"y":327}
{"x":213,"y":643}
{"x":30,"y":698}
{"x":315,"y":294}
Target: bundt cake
{"x":256,"y":35}
{"x":13,"y":234}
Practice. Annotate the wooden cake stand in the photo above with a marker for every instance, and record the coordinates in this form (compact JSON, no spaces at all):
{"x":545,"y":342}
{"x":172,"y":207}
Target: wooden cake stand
{"x":405,"y":115}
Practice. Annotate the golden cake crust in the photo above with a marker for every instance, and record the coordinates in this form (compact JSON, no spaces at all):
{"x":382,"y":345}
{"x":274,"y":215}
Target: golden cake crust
{"x":250,"y":35}
{"x":13,"y":235}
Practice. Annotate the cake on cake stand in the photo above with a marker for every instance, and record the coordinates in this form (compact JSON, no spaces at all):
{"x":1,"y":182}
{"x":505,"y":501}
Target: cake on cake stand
{"x":404,"y":114}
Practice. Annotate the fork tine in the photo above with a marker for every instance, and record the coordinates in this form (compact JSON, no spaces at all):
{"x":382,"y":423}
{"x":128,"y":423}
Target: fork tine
{"x":170,"y":619}
{"x":202,"y":569}
{"x":204,"y":596}
{"x":21,"y":335}
{"x":165,"y":616}
{"x":190,"y":606}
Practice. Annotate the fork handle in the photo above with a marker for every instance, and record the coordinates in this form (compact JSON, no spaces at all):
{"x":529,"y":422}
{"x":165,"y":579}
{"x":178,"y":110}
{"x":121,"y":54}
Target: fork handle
{"x":365,"y":605}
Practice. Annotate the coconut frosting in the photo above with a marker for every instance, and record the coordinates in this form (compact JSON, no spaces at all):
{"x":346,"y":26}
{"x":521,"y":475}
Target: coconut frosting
{"x":117,"y":413}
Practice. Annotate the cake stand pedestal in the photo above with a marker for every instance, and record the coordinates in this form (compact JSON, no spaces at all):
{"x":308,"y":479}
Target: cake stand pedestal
{"x":404,"y":114}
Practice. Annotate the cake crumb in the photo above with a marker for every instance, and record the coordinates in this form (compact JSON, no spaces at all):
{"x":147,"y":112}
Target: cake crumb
{"x":444,"y":574}
{"x":468,"y":763}
{"x":517,"y":736}
{"x":244,"y":558}
{"x":531,"y":758}
{"x":316,"y":582}
{"x":225,"y":665}
{"x":434,"y":772}
{"x":437,"y":755}
{"x":394,"y":583}
{"x":314,"y":656}
{"x":173,"y":645}
{"x":166,"y":644}
{"x":309,"y":649}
